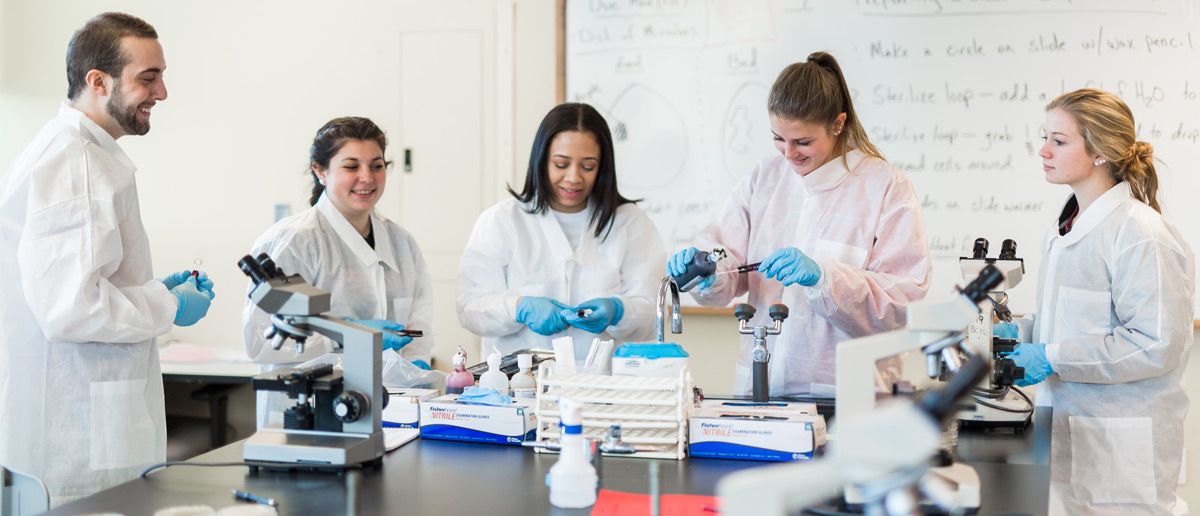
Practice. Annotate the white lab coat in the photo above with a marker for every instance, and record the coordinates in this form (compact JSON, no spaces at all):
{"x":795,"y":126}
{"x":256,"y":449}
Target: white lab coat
{"x":861,"y":223}
{"x":1115,"y":310}
{"x":81,"y":395}
{"x":389,"y":282}
{"x":513,"y":253}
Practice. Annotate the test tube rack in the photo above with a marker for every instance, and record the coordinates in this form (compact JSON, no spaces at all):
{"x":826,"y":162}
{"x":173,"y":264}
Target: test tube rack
{"x":652,"y":411}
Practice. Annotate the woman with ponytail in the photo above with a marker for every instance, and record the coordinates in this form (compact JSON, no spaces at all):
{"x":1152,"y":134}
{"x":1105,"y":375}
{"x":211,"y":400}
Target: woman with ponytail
{"x":1112,"y":333}
{"x":838,"y":231}
{"x":372,"y":266}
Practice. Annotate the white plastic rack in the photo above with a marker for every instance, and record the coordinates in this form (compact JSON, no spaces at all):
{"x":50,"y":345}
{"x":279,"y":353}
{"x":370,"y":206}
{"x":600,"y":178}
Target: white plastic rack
{"x":652,"y":412}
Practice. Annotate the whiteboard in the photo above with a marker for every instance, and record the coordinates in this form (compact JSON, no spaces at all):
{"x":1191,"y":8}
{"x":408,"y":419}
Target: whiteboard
{"x":951,"y":91}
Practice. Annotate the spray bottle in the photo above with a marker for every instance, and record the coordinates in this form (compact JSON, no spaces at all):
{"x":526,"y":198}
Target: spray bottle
{"x":494,"y":378}
{"x":460,"y":379}
{"x":572,"y":479}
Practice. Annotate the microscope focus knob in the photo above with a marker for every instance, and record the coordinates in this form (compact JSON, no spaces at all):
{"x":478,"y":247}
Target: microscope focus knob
{"x":778,"y":311}
{"x":349,"y":406}
{"x":743,"y":311}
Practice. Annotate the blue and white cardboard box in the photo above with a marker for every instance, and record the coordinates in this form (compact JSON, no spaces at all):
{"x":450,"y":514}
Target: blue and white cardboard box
{"x":661,"y":359}
{"x":447,"y":418}
{"x":403,"y":409}
{"x":791,"y":432}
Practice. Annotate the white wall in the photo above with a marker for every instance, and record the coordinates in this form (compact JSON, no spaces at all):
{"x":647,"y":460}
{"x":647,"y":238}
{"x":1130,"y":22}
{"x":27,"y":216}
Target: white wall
{"x":249,"y":84}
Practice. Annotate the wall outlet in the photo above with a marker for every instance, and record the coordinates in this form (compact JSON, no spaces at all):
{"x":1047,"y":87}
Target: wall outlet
{"x":282,"y":210}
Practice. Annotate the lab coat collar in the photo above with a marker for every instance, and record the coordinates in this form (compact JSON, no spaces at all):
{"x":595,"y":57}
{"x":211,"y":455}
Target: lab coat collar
{"x":831,"y":174}
{"x":98,"y":135}
{"x":556,"y":240}
{"x":383,"y":251}
{"x":1097,"y":212}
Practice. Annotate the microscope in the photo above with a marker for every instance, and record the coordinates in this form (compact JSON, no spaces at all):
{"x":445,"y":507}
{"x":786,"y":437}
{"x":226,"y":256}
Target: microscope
{"x":337,"y":420}
{"x":997,"y":402}
{"x":937,"y":329}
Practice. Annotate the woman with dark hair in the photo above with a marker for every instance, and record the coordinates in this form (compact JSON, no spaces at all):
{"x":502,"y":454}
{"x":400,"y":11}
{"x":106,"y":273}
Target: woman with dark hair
{"x":838,"y":231}
{"x":371,"y":265}
{"x":568,"y":255}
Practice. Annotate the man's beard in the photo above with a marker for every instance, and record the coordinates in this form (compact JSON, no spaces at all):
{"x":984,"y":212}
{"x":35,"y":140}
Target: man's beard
{"x":126,"y":115}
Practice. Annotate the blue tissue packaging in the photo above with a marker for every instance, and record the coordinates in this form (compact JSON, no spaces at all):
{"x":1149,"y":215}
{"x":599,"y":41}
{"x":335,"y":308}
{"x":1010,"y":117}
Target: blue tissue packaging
{"x":780,"y":432}
{"x":649,"y":359}
{"x":448,"y":419}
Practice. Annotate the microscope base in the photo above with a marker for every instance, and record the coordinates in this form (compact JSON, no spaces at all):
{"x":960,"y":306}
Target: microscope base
{"x":309,"y":449}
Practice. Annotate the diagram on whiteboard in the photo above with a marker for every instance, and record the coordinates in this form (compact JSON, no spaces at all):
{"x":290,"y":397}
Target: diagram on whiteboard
{"x":649,"y":138}
{"x":745,"y":134}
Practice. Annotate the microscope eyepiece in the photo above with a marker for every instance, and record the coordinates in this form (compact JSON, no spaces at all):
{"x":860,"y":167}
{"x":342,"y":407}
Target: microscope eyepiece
{"x":980,"y":250}
{"x":1008,"y":250}
{"x":252,"y":269}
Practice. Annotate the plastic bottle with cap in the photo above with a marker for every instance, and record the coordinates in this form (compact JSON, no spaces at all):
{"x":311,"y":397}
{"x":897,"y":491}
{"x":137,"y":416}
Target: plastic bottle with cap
{"x":572,"y":480}
{"x":460,"y":379}
{"x":494,"y":378}
{"x":524,"y":384}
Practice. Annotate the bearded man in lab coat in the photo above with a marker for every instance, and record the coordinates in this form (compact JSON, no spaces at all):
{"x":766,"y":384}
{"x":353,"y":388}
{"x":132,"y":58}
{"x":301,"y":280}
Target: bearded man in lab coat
{"x":81,"y":395}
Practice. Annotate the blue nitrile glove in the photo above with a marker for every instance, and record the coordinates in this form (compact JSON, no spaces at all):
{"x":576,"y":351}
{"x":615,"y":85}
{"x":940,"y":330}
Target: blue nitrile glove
{"x":1032,"y":357}
{"x":421,"y":363}
{"x":390,"y":340}
{"x":541,"y":314}
{"x":606,"y":311}
{"x":1005,"y":330}
{"x":176,"y":278}
{"x":193,"y":302}
{"x":790,"y":266}
{"x":678,"y":263}
{"x":486,"y":396}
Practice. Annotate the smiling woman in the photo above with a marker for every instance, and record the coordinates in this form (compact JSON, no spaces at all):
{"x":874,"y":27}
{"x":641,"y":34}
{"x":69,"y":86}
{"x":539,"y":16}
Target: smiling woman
{"x":838,"y":230}
{"x":567,"y":243}
{"x":373,"y":266}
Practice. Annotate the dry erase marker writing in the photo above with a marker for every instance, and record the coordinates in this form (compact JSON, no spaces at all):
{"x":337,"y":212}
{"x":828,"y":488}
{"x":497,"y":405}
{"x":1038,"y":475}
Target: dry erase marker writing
{"x":242,"y":495}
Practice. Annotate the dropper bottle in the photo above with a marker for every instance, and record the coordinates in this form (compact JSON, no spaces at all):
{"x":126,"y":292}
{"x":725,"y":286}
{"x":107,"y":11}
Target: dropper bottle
{"x":524,"y":384}
{"x":460,"y":379}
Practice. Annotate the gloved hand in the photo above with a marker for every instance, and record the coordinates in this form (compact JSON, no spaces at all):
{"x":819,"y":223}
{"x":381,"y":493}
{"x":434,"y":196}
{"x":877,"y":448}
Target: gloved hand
{"x":790,"y":266}
{"x":390,"y":340}
{"x":606,"y":311}
{"x":421,"y":363}
{"x":541,"y":314}
{"x":1005,"y":330}
{"x":176,"y":278}
{"x":1032,"y":357}
{"x":678,"y":263}
{"x":193,"y":302}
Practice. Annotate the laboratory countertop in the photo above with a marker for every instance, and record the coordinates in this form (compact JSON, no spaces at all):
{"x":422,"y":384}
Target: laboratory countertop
{"x":444,"y":477}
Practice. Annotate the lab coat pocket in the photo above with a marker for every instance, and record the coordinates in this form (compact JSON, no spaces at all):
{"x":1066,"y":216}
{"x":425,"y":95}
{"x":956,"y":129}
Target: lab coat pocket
{"x":1082,"y":312}
{"x":841,"y":253}
{"x":122,"y":432}
{"x":1112,"y":459}
{"x":401,"y":309}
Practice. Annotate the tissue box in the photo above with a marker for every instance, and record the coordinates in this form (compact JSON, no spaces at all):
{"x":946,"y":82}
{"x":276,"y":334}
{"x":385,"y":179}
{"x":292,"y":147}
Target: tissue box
{"x":649,"y":359}
{"x":756,"y":431}
{"x":403,"y":409}
{"x":449,"y":419}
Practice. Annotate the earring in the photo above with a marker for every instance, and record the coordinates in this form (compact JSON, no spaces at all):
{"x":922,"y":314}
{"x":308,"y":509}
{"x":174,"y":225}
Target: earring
{"x":1100,"y":161}
{"x":322,"y":181}
{"x":837,"y":131}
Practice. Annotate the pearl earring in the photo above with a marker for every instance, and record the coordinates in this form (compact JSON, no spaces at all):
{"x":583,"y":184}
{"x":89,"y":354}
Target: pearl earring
{"x":322,"y":181}
{"x":1100,"y":161}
